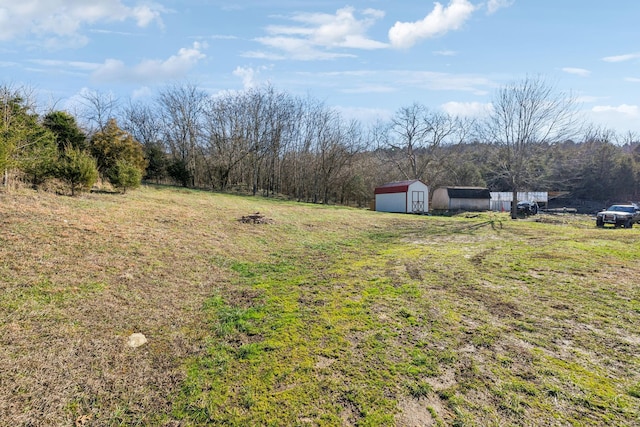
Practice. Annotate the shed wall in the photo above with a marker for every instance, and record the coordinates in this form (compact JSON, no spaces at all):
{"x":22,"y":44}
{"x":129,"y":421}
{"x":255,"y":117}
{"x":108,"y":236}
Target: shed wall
{"x":392,"y":202}
{"x":440,"y":199}
{"x":469,"y":204}
{"x":418,"y":187}
{"x":501,"y":200}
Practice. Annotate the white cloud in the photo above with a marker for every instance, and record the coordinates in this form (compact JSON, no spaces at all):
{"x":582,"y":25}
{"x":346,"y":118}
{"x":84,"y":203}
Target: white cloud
{"x":402,"y":80}
{"x":71,"y":41}
{"x":259,"y":54}
{"x":622,"y":117}
{"x":146,"y":14}
{"x":381,"y":88}
{"x":621,"y":58}
{"x":142,"y":92}
{"x":365,"y":115}
{"x":222,"y":37}
{"x":437,"y":23}
{"x":587,"y":99}
{"x":625,"y":109}
{"x":445,"y":52}
{"x":633,"y":79}
{"x":59,"y":22}
{"x":175,"y":67}
{"x":467,"y":109}
{"x":249,"y":76}
{"x":293,"y":48}
{"x":577,"y":71}
{"x":110,"y":32}
{"x":76,"y":65}
{"x":317,"y":35}
{"x":494,"y":5}
{"x":443,"y":81}
{"x":405,"y":84}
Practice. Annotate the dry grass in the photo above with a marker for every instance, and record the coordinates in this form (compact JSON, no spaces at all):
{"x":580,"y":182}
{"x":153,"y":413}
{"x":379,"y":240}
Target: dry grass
{"x":315,"y":316}
{"x":78,"y":277}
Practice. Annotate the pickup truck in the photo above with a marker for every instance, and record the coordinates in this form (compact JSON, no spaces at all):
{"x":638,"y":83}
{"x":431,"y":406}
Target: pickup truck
{"x":622,"y":215}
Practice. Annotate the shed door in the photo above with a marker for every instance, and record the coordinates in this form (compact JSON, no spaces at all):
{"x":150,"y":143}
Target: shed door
{"x":417,"y":201}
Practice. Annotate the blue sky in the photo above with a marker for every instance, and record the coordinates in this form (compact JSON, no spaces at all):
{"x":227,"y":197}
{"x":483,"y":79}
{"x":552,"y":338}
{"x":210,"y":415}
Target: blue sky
{"x":365,"y":58}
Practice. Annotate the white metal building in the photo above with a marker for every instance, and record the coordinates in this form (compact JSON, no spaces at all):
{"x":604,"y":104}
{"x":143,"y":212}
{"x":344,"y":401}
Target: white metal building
{"x":402,"y":197}
{"x":501,"y":201}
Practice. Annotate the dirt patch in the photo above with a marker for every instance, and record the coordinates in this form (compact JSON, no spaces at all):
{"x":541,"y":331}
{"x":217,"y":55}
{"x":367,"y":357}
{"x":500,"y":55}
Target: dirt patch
{"x":493,"y":303}
{"x":443,"y":381}
{"x":255,"y":218}
{"x":324,"y":362}
{"x":564,"y":218}
{"x":415,"y":413}
{"x":414,"y":270}
{"x":349,"y":413}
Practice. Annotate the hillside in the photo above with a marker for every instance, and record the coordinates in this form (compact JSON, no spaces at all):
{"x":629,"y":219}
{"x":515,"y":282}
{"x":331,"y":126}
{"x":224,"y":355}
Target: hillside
{"x":318,"y":316}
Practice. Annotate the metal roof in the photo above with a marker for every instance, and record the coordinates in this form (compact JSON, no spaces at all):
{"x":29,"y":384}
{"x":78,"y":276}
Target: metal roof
{"x":468,"y":193}
{"x":395,"y":187}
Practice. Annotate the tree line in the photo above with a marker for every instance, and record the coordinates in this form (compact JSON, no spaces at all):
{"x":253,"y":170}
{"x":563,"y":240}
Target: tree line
{"x":38,"y":148}
{"x":265,"y":141}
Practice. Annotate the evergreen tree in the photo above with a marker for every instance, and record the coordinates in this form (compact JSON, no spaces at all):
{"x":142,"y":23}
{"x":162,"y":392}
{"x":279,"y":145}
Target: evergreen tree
{"x":125,"y":175}
{"x":179,"y":172}
{"x":66,"y":130}
{"x":37,"y":159}
{"x":157,"y":161}
{"x":78,"y":169}
{"x":25,"y":145}
{"x":111,"y":145}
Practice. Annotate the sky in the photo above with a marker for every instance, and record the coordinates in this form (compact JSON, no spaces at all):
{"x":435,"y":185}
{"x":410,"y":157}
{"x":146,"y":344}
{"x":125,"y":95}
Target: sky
{"x":366,"y":58}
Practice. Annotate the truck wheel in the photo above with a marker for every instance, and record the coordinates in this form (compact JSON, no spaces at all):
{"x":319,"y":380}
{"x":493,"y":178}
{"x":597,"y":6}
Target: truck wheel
{"x":599,"y":222}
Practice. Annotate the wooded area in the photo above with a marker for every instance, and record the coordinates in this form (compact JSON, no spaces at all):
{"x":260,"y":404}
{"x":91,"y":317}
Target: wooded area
{"x":265,"y":141}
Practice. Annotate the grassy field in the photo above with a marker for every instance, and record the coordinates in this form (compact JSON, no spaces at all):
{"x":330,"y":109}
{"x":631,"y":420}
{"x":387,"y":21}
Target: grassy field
{"x":323,"y":316}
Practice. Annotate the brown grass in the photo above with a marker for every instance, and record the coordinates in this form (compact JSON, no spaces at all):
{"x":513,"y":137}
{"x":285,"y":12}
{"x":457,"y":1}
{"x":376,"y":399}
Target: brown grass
{"x":78,"y":277}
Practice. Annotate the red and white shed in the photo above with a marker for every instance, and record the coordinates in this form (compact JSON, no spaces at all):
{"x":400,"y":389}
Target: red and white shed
{"x":403,"y":197}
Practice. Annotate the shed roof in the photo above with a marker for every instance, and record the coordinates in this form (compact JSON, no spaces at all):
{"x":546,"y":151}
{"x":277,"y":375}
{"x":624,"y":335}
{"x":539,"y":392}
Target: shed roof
{"x":468,"y":193}
{"x":395,"y":187}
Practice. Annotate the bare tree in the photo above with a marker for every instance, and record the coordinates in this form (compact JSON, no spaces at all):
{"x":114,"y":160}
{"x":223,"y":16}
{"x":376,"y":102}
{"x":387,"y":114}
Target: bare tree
{"x":270,"y":117}
{"x":141,"y":121}
{"x":410,"y":141}
{"x":97,"y":108}
{"x":526,"y":114}
{"x":297,"y":162}
{"x":181,"y":109}
{"x":247,"y":134}
{"x":262,"y":133}
{"x":403,"y":137}
{"x":226,"y":144}
{"x":336,"y":144}
{"x":628,"y":138}
{"x":144,"y":123}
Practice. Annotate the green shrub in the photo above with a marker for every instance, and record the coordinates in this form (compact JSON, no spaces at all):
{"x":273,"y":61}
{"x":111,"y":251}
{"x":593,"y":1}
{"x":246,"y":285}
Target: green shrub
{"x":125,"y":175}
{"x":78,"y":169}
